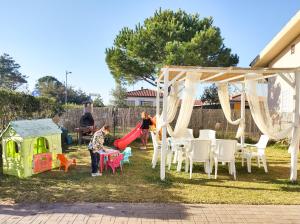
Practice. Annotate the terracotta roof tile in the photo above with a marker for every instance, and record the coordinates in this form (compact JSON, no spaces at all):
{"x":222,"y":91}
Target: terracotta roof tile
{"x":237,"y":98}
{"x":198,"y":103}
{"x":142,"y":93}
{"x":152,"y":93}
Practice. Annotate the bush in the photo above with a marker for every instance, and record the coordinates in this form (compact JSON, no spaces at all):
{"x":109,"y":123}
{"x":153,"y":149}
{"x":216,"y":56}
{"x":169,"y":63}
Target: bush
{"x":16,"y":105}
{"x":69,"y":106}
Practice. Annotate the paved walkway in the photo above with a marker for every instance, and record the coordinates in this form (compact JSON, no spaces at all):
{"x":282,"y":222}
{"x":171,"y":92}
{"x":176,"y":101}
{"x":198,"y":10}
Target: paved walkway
{"x":116,"y":213}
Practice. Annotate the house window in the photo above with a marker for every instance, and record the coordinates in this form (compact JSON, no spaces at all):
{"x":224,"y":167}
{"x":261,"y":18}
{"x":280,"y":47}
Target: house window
{"x":41,"y":146}
{"x":131,"y":103}
{"x":12,"y":149}
{"x":293,"y":49}
{"x":146,"y":103}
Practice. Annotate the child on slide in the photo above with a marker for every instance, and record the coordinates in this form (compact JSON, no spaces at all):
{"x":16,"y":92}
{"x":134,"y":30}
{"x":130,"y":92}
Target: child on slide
{"x":146,"y":123}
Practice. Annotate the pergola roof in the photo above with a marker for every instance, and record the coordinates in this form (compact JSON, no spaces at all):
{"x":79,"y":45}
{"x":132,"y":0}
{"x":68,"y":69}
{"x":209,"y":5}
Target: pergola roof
{"x":219,"y":74}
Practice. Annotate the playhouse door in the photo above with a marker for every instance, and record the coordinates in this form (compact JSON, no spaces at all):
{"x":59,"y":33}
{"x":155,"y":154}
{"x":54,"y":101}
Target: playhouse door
{"x":42,"y":162}
{"x":12,"y":161}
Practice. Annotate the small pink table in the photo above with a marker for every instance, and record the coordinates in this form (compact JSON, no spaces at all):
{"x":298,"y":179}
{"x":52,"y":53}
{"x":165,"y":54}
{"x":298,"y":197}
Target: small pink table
{"x":106,"y":154}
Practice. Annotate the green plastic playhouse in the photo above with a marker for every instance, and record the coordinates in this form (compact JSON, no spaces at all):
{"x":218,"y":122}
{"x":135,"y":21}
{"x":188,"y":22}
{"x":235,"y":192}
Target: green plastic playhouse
{"x":30,"y":147}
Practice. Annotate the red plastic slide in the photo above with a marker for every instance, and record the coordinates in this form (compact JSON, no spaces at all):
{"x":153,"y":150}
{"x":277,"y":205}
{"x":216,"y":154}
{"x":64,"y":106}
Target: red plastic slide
{"x":130,"y":137}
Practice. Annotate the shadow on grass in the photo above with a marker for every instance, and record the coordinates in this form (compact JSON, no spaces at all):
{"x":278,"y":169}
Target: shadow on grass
{"x":277,"y":176}
{"x":139,"y":183}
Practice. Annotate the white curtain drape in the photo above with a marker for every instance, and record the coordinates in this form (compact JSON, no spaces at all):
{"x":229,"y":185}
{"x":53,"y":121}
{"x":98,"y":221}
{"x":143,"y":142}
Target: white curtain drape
{"x":260,"y":110}
{"x":173,"y":103}
{"x":187,"y":104}
{"x":223,"y":94}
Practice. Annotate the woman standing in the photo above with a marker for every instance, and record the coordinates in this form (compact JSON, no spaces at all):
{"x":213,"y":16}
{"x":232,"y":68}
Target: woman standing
{"x":146,"y":123}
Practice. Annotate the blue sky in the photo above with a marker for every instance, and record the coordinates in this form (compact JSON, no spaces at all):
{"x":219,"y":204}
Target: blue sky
{"x":47,"y":37}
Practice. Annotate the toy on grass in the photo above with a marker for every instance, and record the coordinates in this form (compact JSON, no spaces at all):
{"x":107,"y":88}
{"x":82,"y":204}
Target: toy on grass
{"x":65,"y":162}
{"x":114,"y":162}
{"x":30,"y":147}
{"x":126,"y":153}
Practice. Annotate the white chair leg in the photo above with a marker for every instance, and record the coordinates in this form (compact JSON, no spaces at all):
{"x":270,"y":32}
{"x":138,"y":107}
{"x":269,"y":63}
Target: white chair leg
{"x":233,"y":169}
{"x":264,"y":161}
{"x":242,"y":160}
{"x":249,"y":164}
{"x":191,"y":168}
{"x":155,"y":157}
{"x":175,"y":156}
{"x":169,"y":160}
{"x":216,"y":168}
{"x":179,"y":160}
{"x":186,"y":169}
{"x":211,"y":167}
{"x":208,"y":168}
{"x":258,"y":161}
{"x":229,"y":169}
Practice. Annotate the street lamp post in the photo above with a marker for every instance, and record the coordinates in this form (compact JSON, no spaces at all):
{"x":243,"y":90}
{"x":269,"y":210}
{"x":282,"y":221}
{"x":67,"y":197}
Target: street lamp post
{"x":66,"y":89}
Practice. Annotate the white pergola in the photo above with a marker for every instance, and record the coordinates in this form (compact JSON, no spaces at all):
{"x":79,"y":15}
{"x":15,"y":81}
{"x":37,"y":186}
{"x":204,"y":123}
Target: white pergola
{"x":171,"y":74}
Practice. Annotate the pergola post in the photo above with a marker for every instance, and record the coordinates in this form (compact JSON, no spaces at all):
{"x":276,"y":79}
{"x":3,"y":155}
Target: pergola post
{"x":243,"y":107}
{"x":164,"y":127}
{"x":157,"y":100}
{"x":295,"y":150}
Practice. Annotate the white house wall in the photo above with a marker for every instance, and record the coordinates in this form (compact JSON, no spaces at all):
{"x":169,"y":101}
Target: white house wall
{"x":287,"y":60}
{"x":138,"y":100}
{"x":280,"y":93}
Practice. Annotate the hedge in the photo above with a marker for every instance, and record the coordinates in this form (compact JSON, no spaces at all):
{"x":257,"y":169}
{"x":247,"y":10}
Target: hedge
{"x":16,"y":106}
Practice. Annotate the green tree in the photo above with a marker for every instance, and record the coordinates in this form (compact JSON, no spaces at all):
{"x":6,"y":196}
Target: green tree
{"x":119,"y":95}
{"x":167,"y":38}
{"x":10,"y":76}
{"x":77,"y":96}
{"x":51,"y":87}
{"x":210,"y":95}
{"x":98,"y":102}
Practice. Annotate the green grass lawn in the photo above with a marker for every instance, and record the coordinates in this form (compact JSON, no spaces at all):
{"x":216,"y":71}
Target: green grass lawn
{"x":141,"y":183}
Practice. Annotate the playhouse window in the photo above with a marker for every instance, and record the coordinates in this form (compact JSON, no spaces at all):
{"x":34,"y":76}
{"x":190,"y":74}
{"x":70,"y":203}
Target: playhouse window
{"x":41,"y":145}
{"x":12,"y":149}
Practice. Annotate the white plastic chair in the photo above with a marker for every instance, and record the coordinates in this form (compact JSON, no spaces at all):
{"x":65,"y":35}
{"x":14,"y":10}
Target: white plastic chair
{"x":207,"y":134}
{"x":189,"y":133}
{"x":225,"y":152}
{"x":200,"y":152}
{"x":259,"y":154}
{"x":179,"y":146}
{"x":172,"y":151}
{"x":156,"y":149}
